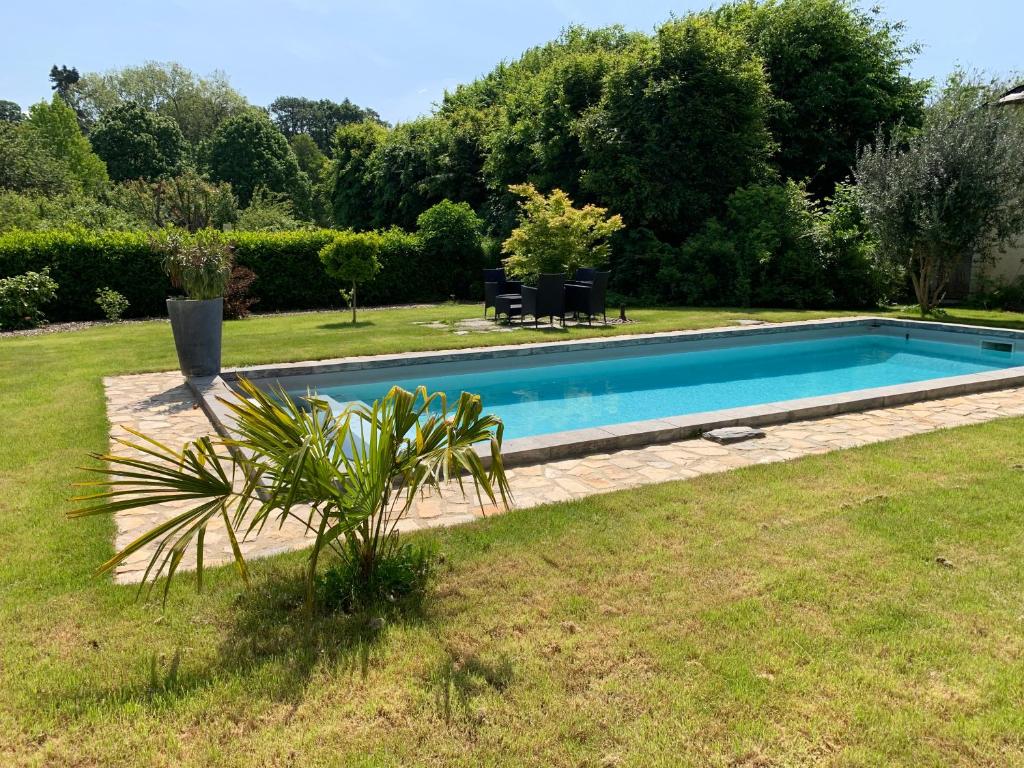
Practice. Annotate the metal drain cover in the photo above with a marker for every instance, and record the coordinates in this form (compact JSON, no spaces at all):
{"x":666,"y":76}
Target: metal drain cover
{"x":727,"y":435}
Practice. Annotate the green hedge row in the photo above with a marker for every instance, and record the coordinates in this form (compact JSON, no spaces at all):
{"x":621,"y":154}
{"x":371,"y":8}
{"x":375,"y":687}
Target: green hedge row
{"x":289,"y":274}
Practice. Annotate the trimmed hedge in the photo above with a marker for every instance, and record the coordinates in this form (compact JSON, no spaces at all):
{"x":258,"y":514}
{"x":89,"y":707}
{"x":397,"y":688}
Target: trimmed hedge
{"x":82,"y":262}
{"x":289,"y":273}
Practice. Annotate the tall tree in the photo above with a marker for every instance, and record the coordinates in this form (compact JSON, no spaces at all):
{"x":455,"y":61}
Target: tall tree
{"x":55,"y":126}
{"x":948,"y":193}
{"x":249,"y":152}
{"x":63,"y":80}
{"x":198,"y":104}
{"x":138,"y":144}
{"x":347,"y":182}
{"x":318,"y":119}
{"x":10,"y":112}
{"x":680,"y":125}
{"x":837,"y":73}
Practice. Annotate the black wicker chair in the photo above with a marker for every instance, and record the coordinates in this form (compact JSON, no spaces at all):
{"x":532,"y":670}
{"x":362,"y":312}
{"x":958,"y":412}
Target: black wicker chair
{"x":588,"y":300}
{"x":584,"y":275}
{"x":548,"y":298}
{"x":492,"y":280}
{"x":496,"y":285}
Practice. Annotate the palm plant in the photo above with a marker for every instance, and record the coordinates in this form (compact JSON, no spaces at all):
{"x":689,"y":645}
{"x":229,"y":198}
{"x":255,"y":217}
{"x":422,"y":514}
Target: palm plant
{"x":349,"y":477}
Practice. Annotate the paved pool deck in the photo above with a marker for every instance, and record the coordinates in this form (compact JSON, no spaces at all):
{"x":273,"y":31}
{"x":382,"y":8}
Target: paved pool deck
{"x":164,"y":407}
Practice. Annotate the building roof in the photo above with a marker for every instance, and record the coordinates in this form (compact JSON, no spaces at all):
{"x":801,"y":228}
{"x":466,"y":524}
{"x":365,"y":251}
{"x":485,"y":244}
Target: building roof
{"x":1013,"y":96}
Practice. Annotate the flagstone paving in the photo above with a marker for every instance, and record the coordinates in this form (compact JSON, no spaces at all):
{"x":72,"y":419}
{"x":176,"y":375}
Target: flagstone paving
{"x":161,"y":406}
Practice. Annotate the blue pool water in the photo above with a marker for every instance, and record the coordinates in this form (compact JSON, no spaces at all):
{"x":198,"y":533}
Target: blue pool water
{"x":556,"y":397}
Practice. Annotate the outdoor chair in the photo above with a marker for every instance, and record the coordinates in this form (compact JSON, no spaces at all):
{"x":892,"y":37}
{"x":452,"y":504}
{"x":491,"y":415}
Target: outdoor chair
{"x":548,"y":298}
{"x":496,"y":285}
{"x":588,"y":300}
{"x":584,"y":275}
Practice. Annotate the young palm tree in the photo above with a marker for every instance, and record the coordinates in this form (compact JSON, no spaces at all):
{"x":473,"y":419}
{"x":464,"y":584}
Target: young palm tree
{"x":348,"y":477}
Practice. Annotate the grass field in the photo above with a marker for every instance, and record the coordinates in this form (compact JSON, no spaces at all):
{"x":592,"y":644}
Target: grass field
{"x":792,"y":614}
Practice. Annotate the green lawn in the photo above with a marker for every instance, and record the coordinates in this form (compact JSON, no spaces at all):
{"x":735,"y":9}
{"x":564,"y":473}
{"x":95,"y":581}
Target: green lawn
{"x":784,"y":615}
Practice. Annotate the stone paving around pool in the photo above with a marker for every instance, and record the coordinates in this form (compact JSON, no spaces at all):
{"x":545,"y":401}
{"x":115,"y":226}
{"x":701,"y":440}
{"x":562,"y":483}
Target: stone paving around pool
{"x":161,"y":406}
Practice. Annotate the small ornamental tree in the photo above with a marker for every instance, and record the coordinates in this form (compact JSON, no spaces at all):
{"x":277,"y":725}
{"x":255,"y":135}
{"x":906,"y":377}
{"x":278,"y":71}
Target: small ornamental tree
{"x":352,"y":257}
{"x":554,"y":236}
{"x":951,"y":192}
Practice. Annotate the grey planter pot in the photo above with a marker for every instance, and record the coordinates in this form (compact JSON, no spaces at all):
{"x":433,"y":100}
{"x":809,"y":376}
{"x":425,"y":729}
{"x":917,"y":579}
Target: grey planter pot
{"x":197,"y":333}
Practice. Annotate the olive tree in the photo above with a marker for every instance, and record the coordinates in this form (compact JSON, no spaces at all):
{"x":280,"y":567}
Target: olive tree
{"x":952,"y":191}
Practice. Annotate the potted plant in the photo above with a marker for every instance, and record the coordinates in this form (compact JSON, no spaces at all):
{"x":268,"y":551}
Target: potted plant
{"x":200,"y":265}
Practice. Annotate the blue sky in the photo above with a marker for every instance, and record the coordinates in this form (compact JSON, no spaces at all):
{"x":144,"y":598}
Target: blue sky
{"x":397,"y":56}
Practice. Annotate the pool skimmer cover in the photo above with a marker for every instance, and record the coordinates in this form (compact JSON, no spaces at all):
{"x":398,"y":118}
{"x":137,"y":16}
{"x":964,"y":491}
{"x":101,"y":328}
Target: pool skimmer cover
{"x":727,"y":435}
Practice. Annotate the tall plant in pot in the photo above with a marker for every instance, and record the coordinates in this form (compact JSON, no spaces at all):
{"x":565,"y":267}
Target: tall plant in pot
{"x":200,"y":265}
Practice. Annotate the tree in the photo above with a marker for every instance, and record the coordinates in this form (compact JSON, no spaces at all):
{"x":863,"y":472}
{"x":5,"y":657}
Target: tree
{"x":311,"y":160}
{"x":197,"y":104}
{"x":10,"y":112}
{"x":352,"y":258}
{"x":63,"y":80}
{"x":555,"y":236}
{"x":836,"y":72}
{"x":55,"y":127}
{"x":948,"y":193}
{"x":27,"y":166}
{"x":138,"y":144}
{"x":347,"y":182}
{"x":450,"y":236}
{"x":247,"y":151}
{"x":680,"y":125}
{"x":317,"y":119}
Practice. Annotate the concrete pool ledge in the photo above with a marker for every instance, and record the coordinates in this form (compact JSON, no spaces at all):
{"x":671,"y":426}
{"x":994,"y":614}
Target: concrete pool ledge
{"x":608,"y":438}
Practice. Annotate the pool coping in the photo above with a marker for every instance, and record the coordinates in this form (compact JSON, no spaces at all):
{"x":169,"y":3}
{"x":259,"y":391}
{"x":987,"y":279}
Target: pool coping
{"x":591,"y":440}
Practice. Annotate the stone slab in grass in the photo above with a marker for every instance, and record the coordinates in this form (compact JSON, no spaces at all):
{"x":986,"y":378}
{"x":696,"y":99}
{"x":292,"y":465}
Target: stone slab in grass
{"x":727,"y":435}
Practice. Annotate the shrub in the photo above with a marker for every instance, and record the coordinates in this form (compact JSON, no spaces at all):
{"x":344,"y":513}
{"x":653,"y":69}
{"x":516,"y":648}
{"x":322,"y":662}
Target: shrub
{"x":400,"y":579}
{"x":268,"y":212}
{"x":554,"y":236}
{"x":237,"y":300}
{"x":289,"y":272}
{"x":402,"y":263}
{"x":112,"y":303}
{"x":352,"y":258}
{"x":82,"y":262}
{"x":22,"y":298}
{"x":199,"y":264}
{"x":857,"y":277}
{"x":451,"y":237}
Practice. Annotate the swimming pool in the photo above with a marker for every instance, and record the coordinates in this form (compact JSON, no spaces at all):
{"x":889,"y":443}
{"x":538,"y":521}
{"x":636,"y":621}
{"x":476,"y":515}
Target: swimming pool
{"x":541,"y":399}
{"x":592,"y":395}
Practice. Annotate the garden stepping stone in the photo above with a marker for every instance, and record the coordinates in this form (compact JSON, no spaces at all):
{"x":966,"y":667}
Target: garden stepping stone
{"x":728,"y":435}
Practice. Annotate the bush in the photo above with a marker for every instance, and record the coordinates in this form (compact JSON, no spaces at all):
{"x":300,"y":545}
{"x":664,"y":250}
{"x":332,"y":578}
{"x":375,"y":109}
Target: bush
{"x":22,"y":298}
{"x":112,"y":303}
{"x":82,"y":262}
{"x":289,"y":272}
{"x":237,"y":300}
{"x":773,"y":248}
{"x":554,"y":236}
{"x":451,"y":238}
{"x":402,"y":263}
{"x":400,"y":580}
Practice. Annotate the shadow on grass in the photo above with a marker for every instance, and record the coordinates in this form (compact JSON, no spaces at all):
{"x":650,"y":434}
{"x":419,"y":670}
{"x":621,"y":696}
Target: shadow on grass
{"x":346,"y":324}
{"x":272,"y":641}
